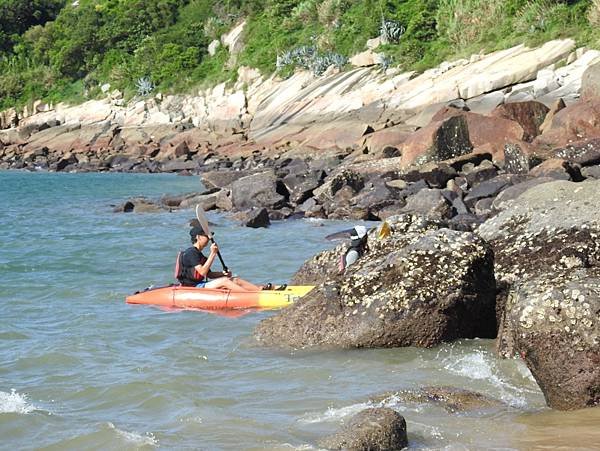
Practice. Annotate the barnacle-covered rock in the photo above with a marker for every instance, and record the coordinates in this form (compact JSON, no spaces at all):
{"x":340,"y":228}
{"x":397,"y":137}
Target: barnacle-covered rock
{"x":555,"y":328}
{"x":423,"y":285}
{"x":547,"y":261}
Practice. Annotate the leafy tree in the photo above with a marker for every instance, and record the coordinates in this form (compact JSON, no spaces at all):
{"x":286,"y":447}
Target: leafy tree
{"x":17,"y":16}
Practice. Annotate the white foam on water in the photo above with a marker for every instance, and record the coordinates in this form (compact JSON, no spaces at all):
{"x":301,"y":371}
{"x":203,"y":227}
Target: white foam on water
{"x":336,"y":414}
{"x":136,"y":438}
{"x":480,"y":365}
{"x":14,"y":402}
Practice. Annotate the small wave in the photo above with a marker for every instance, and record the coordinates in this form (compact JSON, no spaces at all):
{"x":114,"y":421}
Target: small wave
{"x":14,"y":402}
{"x":335,"y":414}
{"x":480,"y":365}
{"x":137,"y":439}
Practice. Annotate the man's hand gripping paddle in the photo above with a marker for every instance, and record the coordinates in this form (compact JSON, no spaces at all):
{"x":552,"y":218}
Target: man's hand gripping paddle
{"x":204,"y":224}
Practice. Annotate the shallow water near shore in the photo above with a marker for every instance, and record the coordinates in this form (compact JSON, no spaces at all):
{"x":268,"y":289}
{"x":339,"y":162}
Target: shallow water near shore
{"x":80,"y":369}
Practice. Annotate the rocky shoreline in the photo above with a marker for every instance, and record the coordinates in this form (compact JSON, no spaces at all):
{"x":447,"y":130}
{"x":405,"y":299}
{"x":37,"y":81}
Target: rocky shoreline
{"x":489,"y":179}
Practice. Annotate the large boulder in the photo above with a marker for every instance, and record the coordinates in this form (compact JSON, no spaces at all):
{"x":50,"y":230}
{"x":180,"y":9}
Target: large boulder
{"x":440,"y":140}
{"x":546,"y":249}
{"x":257,"y":190}
{"x":375,"y":429}
{"x":556,"y":330}
{"x":487,"y":133}
{"x":529,"y":115}
{"x":576,"y":122}
{"x":422,"y":286}
{"x":430,"y":203}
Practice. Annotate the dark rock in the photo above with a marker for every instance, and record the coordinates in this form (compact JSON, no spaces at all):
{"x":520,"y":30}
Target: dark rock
{"x":435,"y":174}
{"x":555,"y":168}
{"x":258,"y":217}
{"x":430,"y":203}
{"x":489,"y":188}
{"x":179,"y":165}
{"x":208,"y":200}
{"x":373,"y":198}
{"x":414,"y":188}
{"x":121,"y":162}
{"x":474,"y":158}
{"x":438,"y":141}
{"x":450,"y":195}
{"x":301,"y":185}
{"x":459,"y":207}
{"x":375,"y":429}
{"x":221,"y":178}
{"x":137,"y":205}
{"x":515,"y":160}
{"x":529,"y":115}
{"x":258,"y":190}
{"x":347,"y":178}
{"x":585,"y":153}
{"x":421,"y":286}
{"x":464,"y":222}
{"x":284,"y":213}
{"x":326,"y":164}
{"x":66,"y":161}
{"x":391,"y":152}
{"x":481,"y":174}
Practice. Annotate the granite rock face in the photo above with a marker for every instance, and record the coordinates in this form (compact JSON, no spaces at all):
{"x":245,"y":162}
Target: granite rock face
{"x":422,"y":286}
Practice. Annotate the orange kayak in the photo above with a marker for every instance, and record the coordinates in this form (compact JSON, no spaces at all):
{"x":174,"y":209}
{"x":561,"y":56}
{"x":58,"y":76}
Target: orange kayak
{"x":177,"y":296}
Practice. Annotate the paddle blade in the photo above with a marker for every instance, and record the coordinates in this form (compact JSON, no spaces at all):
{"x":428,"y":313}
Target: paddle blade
{"x":202,"y":220}
{"x":384,"y":231}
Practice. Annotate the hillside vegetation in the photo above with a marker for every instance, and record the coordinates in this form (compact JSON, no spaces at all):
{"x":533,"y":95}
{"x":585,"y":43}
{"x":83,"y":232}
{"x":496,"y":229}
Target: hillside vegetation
{"x":58,"y":50}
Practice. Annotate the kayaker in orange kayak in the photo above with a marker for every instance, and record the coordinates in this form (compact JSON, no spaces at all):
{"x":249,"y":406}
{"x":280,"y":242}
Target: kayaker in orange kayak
{"x":193,"y":268}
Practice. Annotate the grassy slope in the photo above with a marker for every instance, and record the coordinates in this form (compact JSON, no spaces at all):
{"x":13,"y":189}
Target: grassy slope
{"x":119,"y":41}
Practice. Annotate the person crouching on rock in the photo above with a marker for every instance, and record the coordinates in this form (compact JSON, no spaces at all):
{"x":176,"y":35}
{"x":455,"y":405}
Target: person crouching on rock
{"x":193,"y":268}
{"x":358,"y":246}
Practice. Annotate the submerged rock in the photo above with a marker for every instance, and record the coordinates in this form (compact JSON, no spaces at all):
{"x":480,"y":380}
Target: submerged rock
{"x":422,"y":286}
{"x":452,"y":399}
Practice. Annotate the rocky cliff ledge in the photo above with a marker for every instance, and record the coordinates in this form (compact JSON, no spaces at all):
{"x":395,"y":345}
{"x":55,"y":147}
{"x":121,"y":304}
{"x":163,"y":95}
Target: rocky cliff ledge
{"x":363,"y":109}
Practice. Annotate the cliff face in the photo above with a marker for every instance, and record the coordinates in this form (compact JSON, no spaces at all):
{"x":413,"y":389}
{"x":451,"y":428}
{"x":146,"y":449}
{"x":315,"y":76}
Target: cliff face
{"x":335,"y":111}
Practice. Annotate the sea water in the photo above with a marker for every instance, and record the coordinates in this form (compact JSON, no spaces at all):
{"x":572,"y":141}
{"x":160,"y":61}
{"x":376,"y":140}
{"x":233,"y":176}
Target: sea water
{"x":80,"y":369}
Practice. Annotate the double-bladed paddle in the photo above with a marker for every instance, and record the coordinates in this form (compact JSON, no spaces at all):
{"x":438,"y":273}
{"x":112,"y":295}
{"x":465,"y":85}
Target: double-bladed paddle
{"x":204,"y":224}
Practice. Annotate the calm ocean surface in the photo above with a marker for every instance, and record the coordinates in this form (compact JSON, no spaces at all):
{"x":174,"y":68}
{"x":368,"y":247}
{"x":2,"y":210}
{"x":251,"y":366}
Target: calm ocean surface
{"x":80,"y":369}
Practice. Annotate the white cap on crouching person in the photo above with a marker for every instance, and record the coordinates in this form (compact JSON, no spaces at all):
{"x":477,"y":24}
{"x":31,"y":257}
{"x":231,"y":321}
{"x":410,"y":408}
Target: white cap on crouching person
{"x":358,"y":232}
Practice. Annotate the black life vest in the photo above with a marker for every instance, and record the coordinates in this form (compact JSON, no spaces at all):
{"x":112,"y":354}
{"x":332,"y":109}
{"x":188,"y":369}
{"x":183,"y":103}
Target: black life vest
{"x":183,"y":273}
{"x":359,"y":245}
